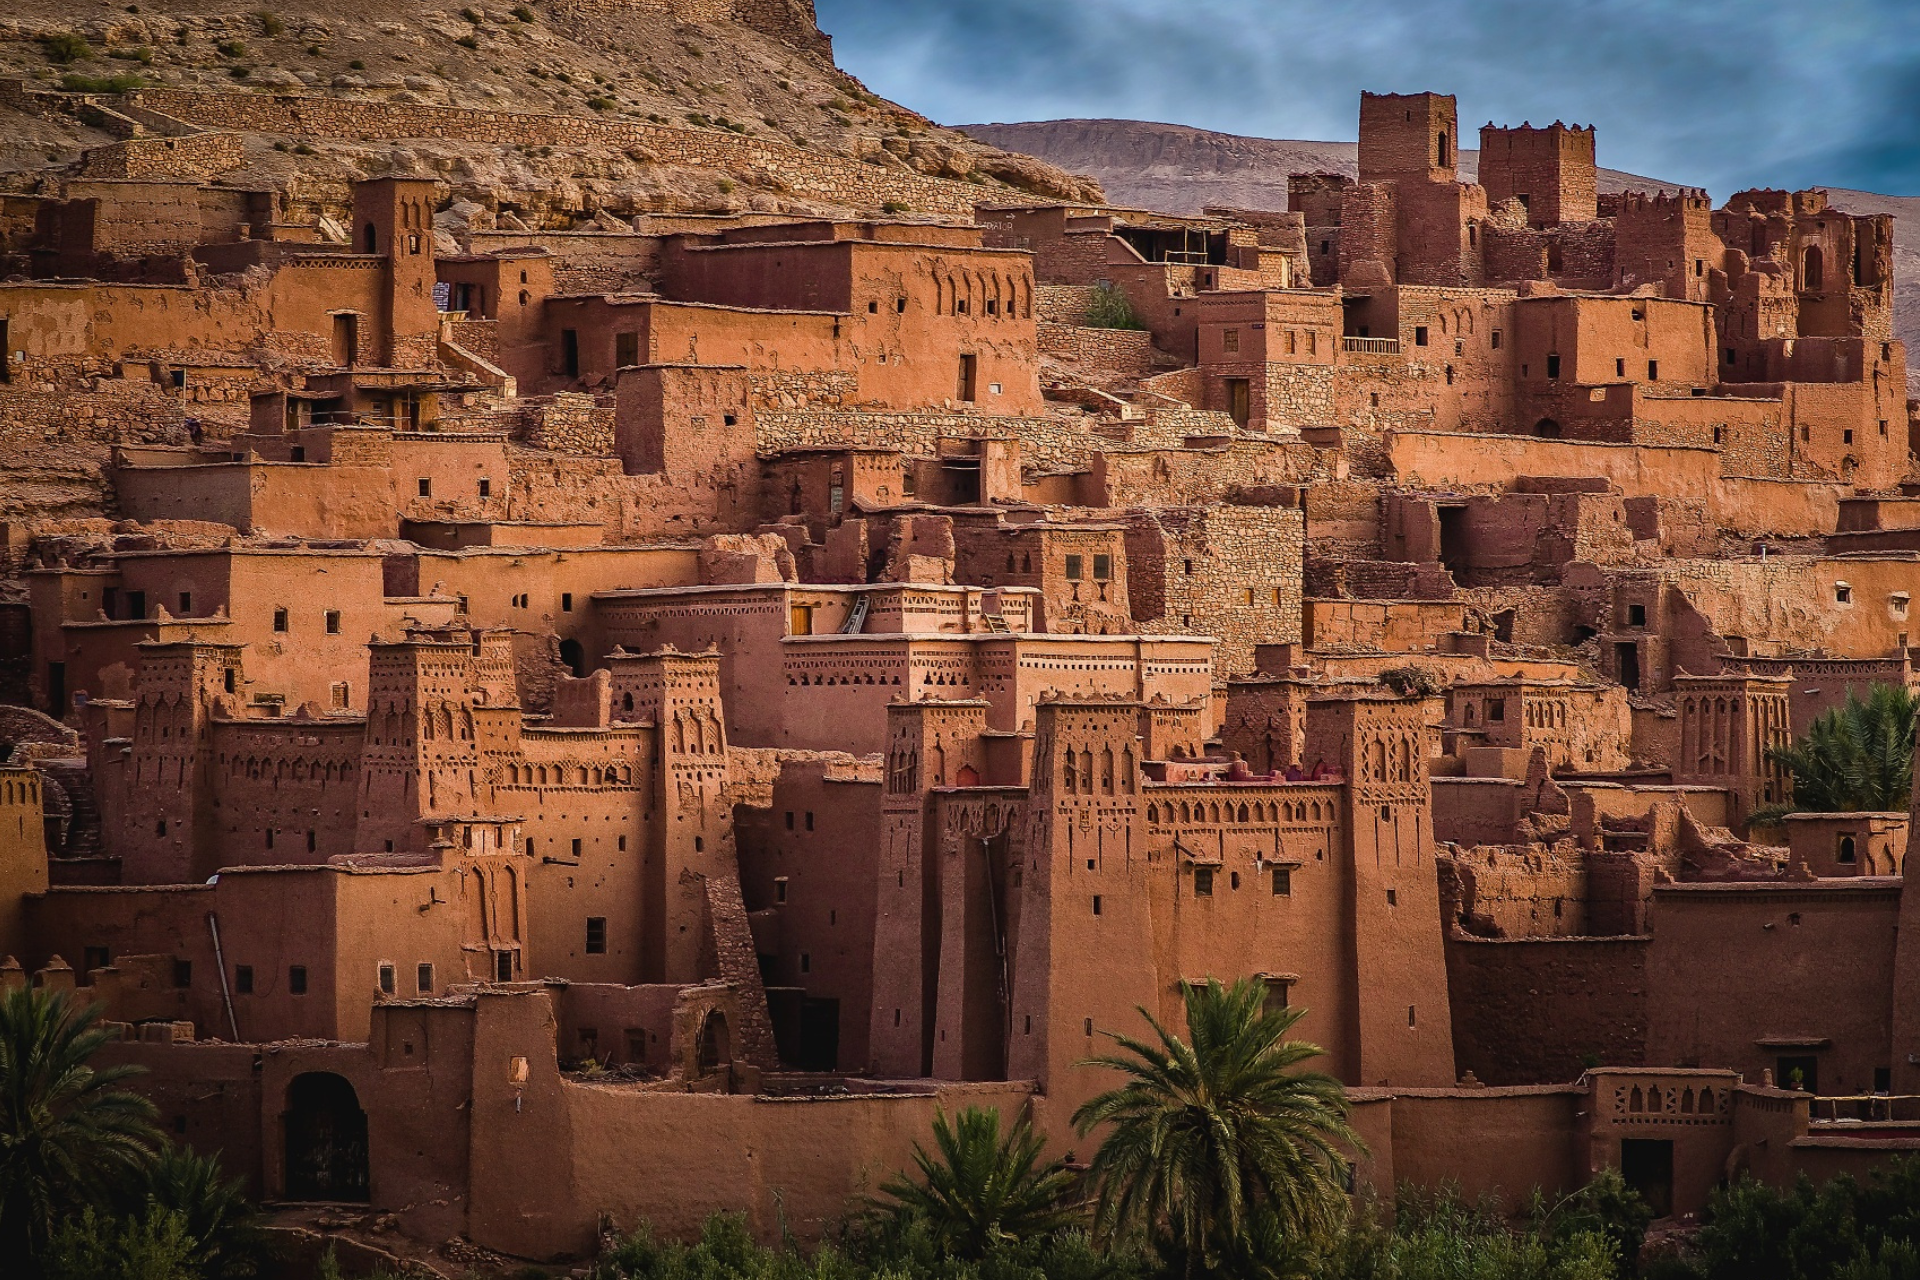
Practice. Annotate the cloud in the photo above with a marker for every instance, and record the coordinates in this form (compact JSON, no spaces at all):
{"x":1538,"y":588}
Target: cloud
{"x":1723,"y":94}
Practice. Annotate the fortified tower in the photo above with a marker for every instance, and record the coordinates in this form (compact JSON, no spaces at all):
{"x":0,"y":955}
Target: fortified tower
{"x":1551,"y":171}
{"x":165,"y":831}
{"x":393,"y":219}
{"x":1409,"y":137}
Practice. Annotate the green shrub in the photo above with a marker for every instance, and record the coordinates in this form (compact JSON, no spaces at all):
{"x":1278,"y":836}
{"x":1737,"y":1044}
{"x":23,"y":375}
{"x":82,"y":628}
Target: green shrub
{"x":602,"y":104}
{"x":142,"y":54}
{"x":1110,"y":309}
{"x":895,"y":206}
{"x":231,"y":49}
{"x":154,"y":1246}
{"x":270,"y":23}
{"x":126,"y":82}
{"x":65,"y":47}
{"x":523,"y":13}
{"x":357,"y":65}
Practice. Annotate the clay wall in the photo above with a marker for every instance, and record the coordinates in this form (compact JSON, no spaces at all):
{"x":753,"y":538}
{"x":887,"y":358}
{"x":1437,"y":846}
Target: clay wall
{"x":1529,"y":1009}
{"x":1701,"y":1010}
{"x":809,"y":873}
{"x":1525,"y":1138}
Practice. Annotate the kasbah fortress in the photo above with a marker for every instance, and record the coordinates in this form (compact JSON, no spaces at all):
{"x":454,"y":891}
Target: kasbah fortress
{"x":525,"y":719}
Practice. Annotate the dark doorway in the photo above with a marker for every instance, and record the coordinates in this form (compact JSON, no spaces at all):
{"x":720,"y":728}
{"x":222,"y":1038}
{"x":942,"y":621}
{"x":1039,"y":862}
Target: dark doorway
{"x":1239,"y":400}
{"x":326,"y":1139}
{"x":570,"y":352}
{"x":574,"y":656}
{"x":819,"y":1035}
{"x":57,"y":690}
{"x":6,"y":352}
{"x":1647,"y":1165}
{"x":1798,"y":1071}
{"x":968,"y":388}
{"x":1547,"y":429}
{"x":716,"y":1045}
{"x":346,"y":340}
{"x":1626,"y":664}
{"x":1453,"y":538}
{"x":371,"y":239}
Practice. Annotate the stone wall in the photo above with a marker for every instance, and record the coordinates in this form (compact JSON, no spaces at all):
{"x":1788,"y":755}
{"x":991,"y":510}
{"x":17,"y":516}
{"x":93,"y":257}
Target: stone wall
{"x":835,"y":179}
{"x":1104,"y":353}
{"x":568,"y":423}
{"x":200,"y":157}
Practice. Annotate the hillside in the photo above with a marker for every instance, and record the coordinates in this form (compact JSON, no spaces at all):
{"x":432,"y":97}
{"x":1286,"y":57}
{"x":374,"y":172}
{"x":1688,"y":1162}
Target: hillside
{"x":739,"y":69}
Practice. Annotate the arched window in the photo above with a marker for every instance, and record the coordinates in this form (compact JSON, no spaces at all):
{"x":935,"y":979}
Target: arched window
{"x":1443,"y":150}
{"x":372,"y":239}
{"x":1813,"y":270}
{"x":1846,"y":853}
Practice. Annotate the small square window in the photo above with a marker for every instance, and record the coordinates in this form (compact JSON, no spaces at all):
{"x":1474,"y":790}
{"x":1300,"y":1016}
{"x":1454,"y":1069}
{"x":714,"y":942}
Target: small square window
{"x":780,"y":889}
{"x":486,"y":487}
{"x":1102,"y":568}
{"x":806,"y":962}
{"x":1419,"y":335}
{"x":243,"y":979}
{"x":1230,"y":341}
{"x":566,"y":602}
{"x":426,"y":487}
{"x":1636,"y":615}
{"x":1096,"y":904}
{"x":1393,"y":898}
{"x":1282,"y":882}
{"x":1653,"y":371}
{"x":297,"y":979}
{"x":1842,"y":593}
{"x":387,"y":980}
{"x":423,"y":979}
{"x":1074,"y":568}
{"x":280,"y":620}
{"x":596,"y":935}
{"x":1496,"y":340}
{"x":183,"y":973}
{"x":333,"y":622}
{"x":186,"y":604}
{"x":809,"y":819}
{"x":1203,"y":882}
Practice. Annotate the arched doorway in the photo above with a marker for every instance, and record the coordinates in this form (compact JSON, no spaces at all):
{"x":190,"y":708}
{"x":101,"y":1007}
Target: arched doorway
{"x":326,"y":1139}
{"x":574,"y":656}
{"x":1813,"y":276}
{"x":1547,"y":429}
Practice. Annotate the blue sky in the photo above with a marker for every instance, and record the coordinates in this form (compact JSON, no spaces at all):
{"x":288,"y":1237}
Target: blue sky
{"x":1723,"y":94}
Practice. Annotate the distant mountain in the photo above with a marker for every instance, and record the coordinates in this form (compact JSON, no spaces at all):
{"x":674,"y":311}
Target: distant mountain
{"x":1176,"y":169}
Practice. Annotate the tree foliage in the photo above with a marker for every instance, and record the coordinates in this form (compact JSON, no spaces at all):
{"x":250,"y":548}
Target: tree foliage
{"x":1856,"y":758}
{"x":1214,"y":1143}
{"x":979,"y":1188}
{"x":70,"y":1134}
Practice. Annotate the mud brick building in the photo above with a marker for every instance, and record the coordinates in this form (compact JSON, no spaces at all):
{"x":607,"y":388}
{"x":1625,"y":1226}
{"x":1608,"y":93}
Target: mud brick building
{"x":577,"y":693}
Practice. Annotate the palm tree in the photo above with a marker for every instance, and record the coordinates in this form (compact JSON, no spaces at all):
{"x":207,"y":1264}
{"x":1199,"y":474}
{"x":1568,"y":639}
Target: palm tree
{"x":68,"y":1132}
{"x":1221,"y":1150}
{"x":220,"y":1221}
{"x":1856,"y":758}
{"x":982,"y":1189}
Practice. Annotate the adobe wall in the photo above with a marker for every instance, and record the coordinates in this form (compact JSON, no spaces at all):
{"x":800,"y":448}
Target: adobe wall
{"x":1533,"y":1009}
{"x":805,"y":173}
{"x":1522,"y":1139}
{"x":1108,"y":354}
{"x":1708,"y":942}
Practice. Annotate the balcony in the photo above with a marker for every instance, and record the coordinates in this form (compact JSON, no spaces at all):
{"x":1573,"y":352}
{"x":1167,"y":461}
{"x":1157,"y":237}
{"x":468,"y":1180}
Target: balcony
{"x":1371,"y":346}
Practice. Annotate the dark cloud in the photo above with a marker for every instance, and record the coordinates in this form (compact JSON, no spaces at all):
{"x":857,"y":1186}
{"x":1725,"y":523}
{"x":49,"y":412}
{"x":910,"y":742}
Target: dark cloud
{"x":1717,"y":93}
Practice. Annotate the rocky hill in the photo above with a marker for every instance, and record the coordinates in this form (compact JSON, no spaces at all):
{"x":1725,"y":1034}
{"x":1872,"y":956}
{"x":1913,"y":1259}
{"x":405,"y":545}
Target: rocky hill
{"x":753,"y":70}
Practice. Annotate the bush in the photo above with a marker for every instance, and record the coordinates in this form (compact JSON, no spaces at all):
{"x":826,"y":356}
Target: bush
{"x":1111,"y":310}
{"x":523,"y":13}
{"x":270,"y":23}
{"x":231,"y":49}
{"x":602,"y":104}
{"x":154,"y":1246}
{"x":142,"y":54}
{"x":467,"y":42}
{"x":895,"y":206}
{"x":357,"y":65}
{"x":64,"y":47}
{"x":124,"y":83}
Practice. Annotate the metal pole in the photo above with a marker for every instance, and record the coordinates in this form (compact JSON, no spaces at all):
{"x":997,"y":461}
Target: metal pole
{"x":213,"y":927}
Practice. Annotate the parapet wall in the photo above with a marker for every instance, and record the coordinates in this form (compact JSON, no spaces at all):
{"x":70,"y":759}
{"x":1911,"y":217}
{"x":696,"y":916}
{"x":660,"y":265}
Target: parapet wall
{"x":836,"y":179}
